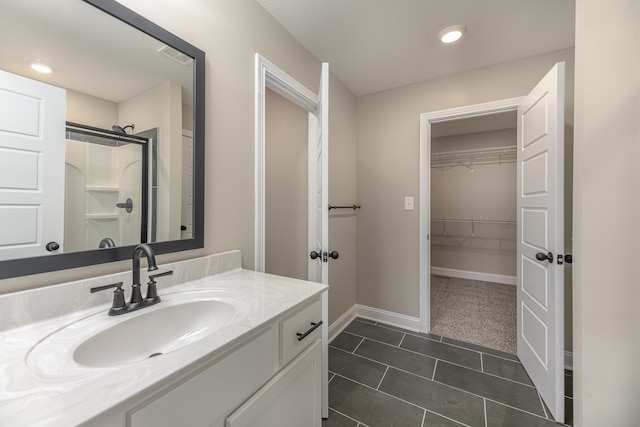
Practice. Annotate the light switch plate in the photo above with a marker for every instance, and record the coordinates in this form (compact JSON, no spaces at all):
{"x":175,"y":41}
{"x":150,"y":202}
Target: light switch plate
{"x":408,"y":203}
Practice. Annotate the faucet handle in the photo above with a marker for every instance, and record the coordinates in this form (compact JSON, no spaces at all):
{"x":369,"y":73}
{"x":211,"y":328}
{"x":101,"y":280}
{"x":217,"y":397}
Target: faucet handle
{"x":118,"y":304}
{"x":105,"y":287}
{"x":152,"y":277}
{"x":152,"y":289}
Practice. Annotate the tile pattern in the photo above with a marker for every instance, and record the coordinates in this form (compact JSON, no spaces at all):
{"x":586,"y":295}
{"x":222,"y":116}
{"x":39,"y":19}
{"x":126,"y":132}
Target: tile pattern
{"x":383,"y":376}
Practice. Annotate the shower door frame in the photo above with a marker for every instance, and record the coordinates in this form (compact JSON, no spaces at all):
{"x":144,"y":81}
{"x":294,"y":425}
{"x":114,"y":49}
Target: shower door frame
{"x":134,"y":139}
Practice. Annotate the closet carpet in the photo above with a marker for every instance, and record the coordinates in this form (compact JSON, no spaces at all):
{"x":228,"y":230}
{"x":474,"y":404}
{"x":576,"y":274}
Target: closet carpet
{"x":482,"y":313}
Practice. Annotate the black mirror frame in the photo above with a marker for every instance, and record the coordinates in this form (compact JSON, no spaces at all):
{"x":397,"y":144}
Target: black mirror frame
{"x":43,"y":264}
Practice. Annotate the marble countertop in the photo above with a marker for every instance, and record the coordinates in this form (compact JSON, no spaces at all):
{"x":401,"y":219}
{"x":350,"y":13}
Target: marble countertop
{"x":52,"y":393}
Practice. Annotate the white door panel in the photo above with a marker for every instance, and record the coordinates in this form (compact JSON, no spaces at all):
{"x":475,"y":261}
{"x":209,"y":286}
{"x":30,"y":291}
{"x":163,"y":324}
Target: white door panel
{"x":318,"y":181}
{"x":534,"y":281}
{"x":32,"y":148}
{"x":534,"y":171}
{"x":535,"y":234}
{"x":541,"y":229}
{"x":318,"y":270}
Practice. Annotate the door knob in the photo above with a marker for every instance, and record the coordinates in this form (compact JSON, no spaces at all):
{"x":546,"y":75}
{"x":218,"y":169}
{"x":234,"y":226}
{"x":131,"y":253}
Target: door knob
{"x":542,"y":256}
{"x":314,"y":255}
{"x":52,"y":246}
{"x":334,"y":255}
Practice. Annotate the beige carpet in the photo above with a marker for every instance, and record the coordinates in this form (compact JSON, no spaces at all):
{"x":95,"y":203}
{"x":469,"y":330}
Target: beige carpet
{"x":474,"y":311}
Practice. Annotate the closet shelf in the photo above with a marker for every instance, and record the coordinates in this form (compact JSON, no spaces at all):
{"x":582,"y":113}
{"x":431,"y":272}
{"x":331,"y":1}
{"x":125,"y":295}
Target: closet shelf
{"x":474,"y":220}
{"x":471,"y":158}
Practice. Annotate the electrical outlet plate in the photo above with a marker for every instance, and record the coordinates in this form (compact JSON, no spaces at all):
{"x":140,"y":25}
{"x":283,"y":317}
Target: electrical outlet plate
{"x":408,"y":203}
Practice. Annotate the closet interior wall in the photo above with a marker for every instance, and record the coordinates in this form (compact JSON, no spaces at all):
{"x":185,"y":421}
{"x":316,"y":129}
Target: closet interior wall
{"x":473,"y":206}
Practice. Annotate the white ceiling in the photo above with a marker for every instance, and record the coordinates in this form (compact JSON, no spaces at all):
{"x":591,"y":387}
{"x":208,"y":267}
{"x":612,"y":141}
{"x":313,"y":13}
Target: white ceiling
{"x":374,"y":45}
{"x":92,"y":52}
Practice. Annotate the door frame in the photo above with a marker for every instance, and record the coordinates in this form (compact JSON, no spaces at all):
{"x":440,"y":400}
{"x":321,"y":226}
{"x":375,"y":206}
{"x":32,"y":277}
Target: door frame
{"x":270,"y":76}
{"x":426,"y":120}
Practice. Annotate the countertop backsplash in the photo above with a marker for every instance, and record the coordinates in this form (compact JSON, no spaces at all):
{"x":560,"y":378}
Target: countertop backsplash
{"x":35,"y":305}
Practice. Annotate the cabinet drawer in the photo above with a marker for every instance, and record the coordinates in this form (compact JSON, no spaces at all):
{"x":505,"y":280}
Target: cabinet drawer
{"x":301,"y":322}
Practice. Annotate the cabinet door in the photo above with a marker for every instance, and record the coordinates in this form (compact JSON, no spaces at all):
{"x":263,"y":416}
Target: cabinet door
{"x":211,"y":394}
{"x":290,"y":399}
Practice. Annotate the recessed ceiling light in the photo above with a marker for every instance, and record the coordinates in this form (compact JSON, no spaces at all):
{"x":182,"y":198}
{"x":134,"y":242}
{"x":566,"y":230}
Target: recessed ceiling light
{"x":452,"y":34}
{"x":40,"y":67}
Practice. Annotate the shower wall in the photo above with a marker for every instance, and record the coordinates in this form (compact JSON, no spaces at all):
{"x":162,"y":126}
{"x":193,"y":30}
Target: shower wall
{"x":97,"y":177}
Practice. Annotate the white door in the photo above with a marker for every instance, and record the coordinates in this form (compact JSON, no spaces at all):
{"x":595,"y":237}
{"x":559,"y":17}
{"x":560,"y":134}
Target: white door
{"x":540,"y":235}
{"x":32,"y":147}
{"x":319,"y":214}
{"x":186,"y":226}
{"x":318,"y":182}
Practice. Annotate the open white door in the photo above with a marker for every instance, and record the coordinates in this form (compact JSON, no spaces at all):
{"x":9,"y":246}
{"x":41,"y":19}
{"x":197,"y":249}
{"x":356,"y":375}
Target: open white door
{"x":32,"y":147}
{"x":540,"y":238}
{"x":186,"y":225}
{"x":319,"y":215}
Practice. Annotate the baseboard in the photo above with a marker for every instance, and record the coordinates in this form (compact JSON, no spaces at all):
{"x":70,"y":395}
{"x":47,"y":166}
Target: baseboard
{"x":475,"y":275}
{"x":341,"y":322}
{"x":388,"y":317}
{"x":568,"y":360}
{"x":376,"y":314}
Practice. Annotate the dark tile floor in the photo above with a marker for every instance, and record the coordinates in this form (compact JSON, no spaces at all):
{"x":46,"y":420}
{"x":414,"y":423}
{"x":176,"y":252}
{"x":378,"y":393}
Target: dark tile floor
{"x":380,"y":375}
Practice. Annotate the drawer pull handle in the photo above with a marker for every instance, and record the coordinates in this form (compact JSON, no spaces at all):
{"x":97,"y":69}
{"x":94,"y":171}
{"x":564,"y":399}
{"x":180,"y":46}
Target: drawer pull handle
{"x":314,"y":326}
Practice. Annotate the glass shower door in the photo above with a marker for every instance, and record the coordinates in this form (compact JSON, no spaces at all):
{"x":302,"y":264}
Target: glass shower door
{"x":106,"y":188}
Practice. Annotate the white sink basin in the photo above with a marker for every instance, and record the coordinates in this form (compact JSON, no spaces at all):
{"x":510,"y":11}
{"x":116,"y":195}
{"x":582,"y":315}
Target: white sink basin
{"x":154,"y":333}
{"x":100,"y":341}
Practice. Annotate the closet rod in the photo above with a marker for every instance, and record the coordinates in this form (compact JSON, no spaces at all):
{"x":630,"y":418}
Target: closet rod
{"x":476,"y":221}
{"x":354,"y":207}
{"x":475,"y":157}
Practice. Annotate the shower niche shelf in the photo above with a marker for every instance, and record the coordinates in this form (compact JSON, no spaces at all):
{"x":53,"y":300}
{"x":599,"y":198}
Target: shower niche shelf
{"x":102,"y":217}
{"x":103,"y":188}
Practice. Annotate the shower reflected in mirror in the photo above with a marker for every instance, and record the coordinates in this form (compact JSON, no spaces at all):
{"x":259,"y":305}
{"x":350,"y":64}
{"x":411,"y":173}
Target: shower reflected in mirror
{"x":106,"y":187}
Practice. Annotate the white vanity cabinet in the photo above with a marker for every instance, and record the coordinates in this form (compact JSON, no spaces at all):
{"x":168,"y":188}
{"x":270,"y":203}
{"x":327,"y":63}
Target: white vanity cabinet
{"x":271,"y":379}
{"x":292,"y":397}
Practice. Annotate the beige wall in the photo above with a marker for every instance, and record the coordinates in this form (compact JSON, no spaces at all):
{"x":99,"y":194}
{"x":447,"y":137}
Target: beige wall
{"x":488,"y":192}
{"x":607,"y":214}
{"x":388,"y":169}
{"x":161,"y":107}
{"x":89,"y":110}
{"x":286,"y":188}
{"x":342,"y":191}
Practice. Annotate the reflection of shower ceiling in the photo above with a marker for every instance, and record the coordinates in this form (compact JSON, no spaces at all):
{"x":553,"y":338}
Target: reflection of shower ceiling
{"x":92,"y":52}
{"x":175,"y":55}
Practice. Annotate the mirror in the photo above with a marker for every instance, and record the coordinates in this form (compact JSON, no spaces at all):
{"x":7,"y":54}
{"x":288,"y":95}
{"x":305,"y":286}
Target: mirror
{"x":127,"y":166}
